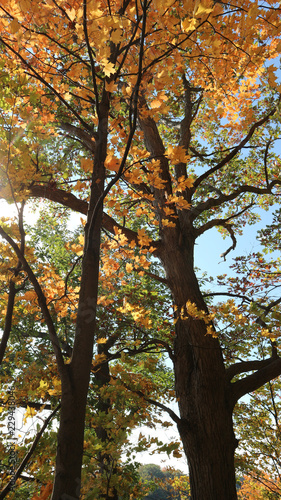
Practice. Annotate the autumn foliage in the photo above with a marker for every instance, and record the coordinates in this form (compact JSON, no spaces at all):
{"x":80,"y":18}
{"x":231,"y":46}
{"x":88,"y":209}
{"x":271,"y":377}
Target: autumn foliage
{"x":157,"y":121}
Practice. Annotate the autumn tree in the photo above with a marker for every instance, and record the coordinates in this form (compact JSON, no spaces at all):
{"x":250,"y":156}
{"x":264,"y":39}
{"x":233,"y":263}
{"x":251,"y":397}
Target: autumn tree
{"x":118,"y":393}
{"x":175,"y":107}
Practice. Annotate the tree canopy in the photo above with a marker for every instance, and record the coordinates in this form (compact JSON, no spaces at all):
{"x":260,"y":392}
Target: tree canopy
{"x":157,"y":122}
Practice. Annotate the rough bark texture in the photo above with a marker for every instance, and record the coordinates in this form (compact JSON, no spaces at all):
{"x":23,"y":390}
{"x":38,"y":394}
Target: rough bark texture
{"x":206,"y":427}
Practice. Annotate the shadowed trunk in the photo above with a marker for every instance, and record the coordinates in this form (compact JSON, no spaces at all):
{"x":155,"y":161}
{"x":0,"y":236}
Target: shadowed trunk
{"x":206,"y":427}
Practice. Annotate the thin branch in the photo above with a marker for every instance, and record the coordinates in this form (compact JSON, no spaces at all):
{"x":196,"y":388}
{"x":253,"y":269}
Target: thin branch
{"x":41,"y":299}
{"x":89,"y":48}
{"x":28,"y":456}
{"x":8,"y":319}
{"x":236,"y":295}
{"x":220,"y":222}
{"x":153,"y":276}
{"x":32,"y":404}
{"x":134,"y":101}
{"x":265,"y":161}
{"x":85,"y":138}
{"x":228,"y":227}
{"x":224,"y":198}
{"x":163,"y":407}
{"x":234,"y":152}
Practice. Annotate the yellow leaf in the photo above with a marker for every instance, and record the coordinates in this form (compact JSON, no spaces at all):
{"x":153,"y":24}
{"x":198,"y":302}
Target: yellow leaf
{"x":129,"y":267}
{"x":101,"y":340}
{"x":143,"y":238}
{"x":177,"y":154}
{"x":112,"y":163}
{"x":81,"y":239}
{"x":188,"y":24}
{"x":30,"y":412}
{"x":117,"y":35}
{"x":253,"y":12}
{"x":86,"y":164}
{"x":43,"y":385}
{"x":156,"y":103}
{"x":203,"y":10}
{"x":71,"y":14}
{"x":108,"y":67}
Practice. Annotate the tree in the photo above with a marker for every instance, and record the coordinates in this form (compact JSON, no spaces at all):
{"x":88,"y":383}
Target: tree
{"x":117,"y":392}
{"x":164,"y":483}
{"x":175,"y":107}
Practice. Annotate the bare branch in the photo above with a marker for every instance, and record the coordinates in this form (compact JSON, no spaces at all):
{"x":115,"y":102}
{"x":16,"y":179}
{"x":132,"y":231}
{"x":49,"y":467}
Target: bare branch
{"x":228,"y":227}
{"x":220,"y":222}
{"x":28,"y":456}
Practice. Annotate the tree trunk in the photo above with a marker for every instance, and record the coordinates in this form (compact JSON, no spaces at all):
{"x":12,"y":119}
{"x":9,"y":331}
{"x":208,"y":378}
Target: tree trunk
{"x":206,"y":426}
{"x":106,"y":462}
{"x":75,"y":383}
{"x":76,"y":376}
{"x":70,"y":447}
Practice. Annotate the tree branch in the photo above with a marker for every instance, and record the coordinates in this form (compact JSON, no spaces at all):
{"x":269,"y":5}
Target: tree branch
{"x":41,"y":300}
{"x":163,"y":407}
{"x":246,"y":366}
{"x":28,"y":456}
{"x":220,"y":222}
{"x":216,"y":202}
{"x":69,"y":200}
{"x":234,"y":152}
{"x":84,"y":137}
{"x":8,"y":319}
{"x":268,"y":370}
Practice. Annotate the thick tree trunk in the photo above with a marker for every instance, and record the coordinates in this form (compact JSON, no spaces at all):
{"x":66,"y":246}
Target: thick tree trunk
{"x":76,"y":376}
{"x":106,"y":462}
{"x":206,"y":426}
{"x":70,"y":447}
{"x":75,"y":383}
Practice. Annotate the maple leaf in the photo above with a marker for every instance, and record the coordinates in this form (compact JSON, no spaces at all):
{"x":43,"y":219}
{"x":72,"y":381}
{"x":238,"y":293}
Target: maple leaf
{"x":86,"y":164}
{"x":189,"y":24}
{"x":108,"y":67}
{"x":177,"y":154}
{"x":201,"y":9}
{"x":143,"y":238}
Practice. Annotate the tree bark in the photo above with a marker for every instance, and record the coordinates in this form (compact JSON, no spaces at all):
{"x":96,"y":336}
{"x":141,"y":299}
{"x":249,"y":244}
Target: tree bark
{"x":75,"y":382}
{"x":76,"y":376}
{"x":201,"y":385}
